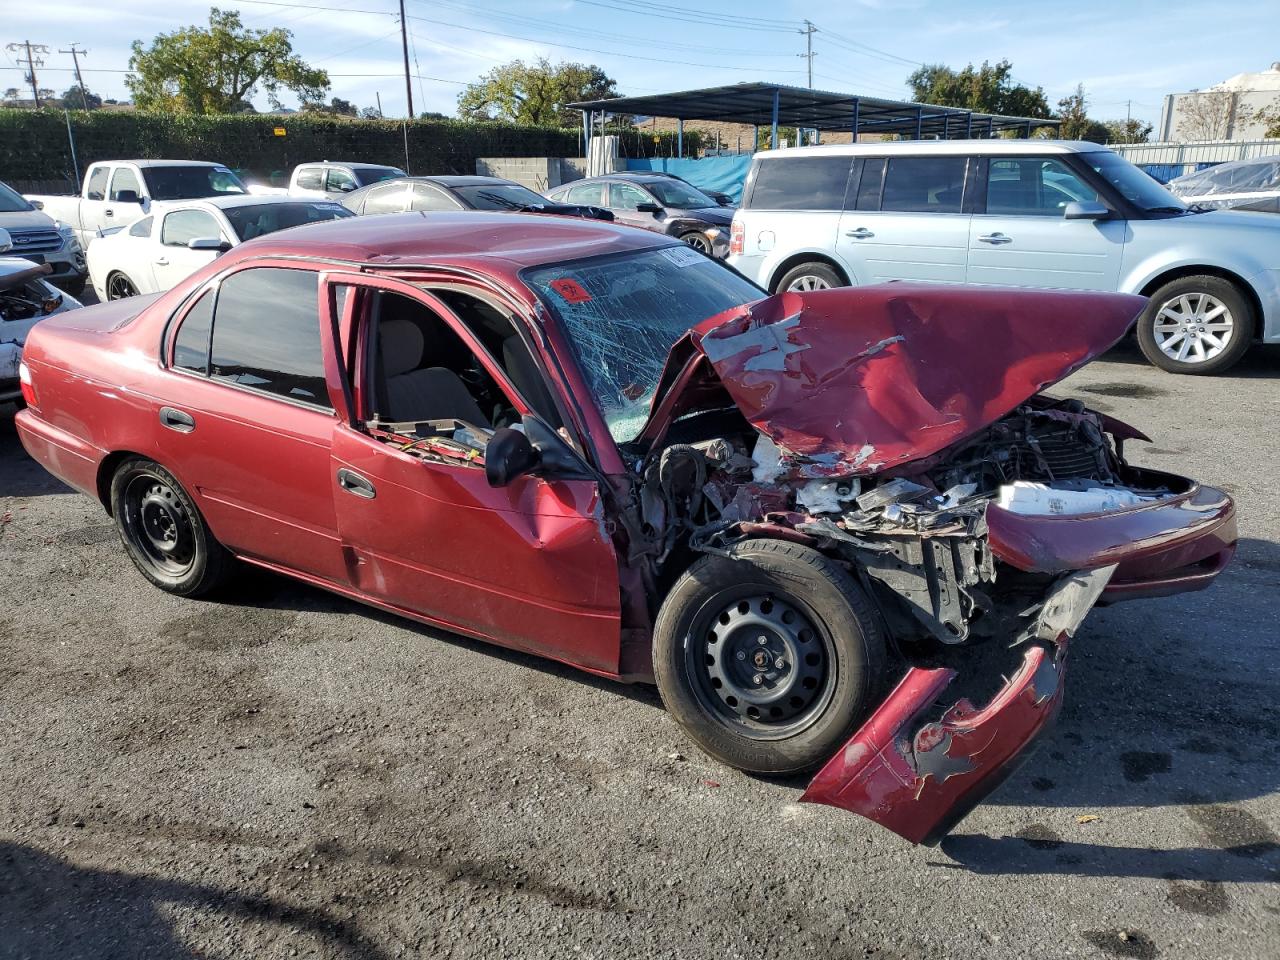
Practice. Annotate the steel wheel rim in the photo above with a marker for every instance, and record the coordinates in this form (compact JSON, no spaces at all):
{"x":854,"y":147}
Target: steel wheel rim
{"x":1193,"y":327}
{"x":119,"y":288}
{"x":808,"y":282}
{"x":765,"y":690}
{"x":698,"y":242}
{"x":158,"y":525}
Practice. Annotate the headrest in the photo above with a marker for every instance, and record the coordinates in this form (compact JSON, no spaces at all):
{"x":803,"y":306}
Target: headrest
{"x":400,"y":345}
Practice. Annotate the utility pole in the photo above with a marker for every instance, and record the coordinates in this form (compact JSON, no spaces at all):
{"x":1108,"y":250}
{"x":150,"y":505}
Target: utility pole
{"x":32,"y":61}
{"x":75,"y":58}
{"x":404,"y":42}
{"x":808,"y":31}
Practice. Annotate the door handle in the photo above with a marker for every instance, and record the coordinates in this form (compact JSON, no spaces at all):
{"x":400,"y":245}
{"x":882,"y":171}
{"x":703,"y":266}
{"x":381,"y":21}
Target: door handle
{"x":108,"y":212}
{"x":177,"y":420}
{"x":860,"y":234}
{"x":353,"y":483}
{"x":162,"y":261}
{"x":996,"y":238}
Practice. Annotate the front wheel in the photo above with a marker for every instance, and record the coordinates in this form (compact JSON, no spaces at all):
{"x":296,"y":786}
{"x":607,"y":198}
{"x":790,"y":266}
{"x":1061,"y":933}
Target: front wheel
{"x":1196,"y":325}
{"x":767,"y":656}
{"x":163,"y":532}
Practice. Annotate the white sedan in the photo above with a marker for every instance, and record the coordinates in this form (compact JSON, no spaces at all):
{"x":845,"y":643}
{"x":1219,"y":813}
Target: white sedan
{"x":177,"y":239}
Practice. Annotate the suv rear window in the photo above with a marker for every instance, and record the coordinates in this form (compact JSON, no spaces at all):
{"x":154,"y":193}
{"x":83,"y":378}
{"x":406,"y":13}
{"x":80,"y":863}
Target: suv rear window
{"x":923,"y":185}
{"x":800,"y":183}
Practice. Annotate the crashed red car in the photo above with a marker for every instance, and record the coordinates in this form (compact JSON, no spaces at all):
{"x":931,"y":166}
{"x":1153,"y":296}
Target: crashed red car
{"x":803,"y":515}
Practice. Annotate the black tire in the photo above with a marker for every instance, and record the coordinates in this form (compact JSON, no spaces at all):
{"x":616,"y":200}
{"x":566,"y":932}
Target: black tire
{"x":792,"y":579}
{"x":821,"y":273}
{"x":1240,"y":314}
{"x":698,"y":240}
{"x":146,"y":500}
{"x":120,"y":287}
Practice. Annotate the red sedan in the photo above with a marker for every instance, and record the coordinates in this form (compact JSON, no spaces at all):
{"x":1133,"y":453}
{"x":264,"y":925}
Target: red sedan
{"x":596,"y":444}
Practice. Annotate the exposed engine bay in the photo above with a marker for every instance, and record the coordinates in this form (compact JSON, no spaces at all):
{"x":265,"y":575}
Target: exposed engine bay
{"x":917,"y":536}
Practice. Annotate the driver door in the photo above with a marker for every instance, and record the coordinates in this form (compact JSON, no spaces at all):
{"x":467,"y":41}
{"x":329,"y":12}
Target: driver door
{"x":527,"y":565}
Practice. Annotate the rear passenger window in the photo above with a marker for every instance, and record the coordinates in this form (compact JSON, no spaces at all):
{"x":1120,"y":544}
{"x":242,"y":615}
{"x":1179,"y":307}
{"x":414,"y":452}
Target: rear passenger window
{"x":870,"y":184}
{"x":266,"y":333}
{"x":312,"y":178}
{"x":97,"y":188}
{"x":191,"y":346}
{"x":141,"y":228}
{"x":801,"y":183}
{"x":923,"y":185}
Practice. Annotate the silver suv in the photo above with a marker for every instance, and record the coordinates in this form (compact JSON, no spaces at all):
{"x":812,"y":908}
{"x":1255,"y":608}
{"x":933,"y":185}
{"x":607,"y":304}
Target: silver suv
{"x":1028,"y":213}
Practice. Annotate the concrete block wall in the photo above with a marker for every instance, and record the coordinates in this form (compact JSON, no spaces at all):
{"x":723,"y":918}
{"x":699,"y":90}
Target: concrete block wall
{"x":536,"y":173}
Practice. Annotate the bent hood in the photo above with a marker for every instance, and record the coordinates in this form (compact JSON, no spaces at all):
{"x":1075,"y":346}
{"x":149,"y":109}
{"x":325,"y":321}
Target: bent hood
{"x":857,"y":380}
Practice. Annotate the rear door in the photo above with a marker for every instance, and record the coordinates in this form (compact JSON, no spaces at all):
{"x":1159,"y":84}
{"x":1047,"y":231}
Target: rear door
{"x":172,"y":260}
{"x":1018,"y":235}
{"x":527,"y":565}
{"x":908,"y":221}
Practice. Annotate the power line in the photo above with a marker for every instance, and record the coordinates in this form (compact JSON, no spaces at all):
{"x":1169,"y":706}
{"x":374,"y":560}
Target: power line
{"x":32,"y":61}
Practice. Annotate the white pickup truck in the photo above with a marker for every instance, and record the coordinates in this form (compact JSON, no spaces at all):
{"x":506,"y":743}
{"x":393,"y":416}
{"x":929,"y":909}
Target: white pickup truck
{"x":329,"y":179}
{"x":118,"y":192}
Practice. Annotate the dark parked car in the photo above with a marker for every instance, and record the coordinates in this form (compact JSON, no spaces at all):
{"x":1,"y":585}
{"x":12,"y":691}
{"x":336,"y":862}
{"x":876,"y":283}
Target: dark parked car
{"x":658,"y":202}
{"x":406,"y":194}
{"x":595,"y":444}
{"x":723,"y":199}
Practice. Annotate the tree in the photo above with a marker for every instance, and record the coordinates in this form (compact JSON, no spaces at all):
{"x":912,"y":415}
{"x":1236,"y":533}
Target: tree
{"x":1205,"y":115}
{"x":197,"y":70}
{"x":986,"y":89}
{"x":11,"y":96}
{"x":1076,"y":125}
{"x":337,"y":106}
{"x":534,"y":93}
{"x":1127,"y":131}
{"x":1269,"y":115}
{"x":77,"y":97}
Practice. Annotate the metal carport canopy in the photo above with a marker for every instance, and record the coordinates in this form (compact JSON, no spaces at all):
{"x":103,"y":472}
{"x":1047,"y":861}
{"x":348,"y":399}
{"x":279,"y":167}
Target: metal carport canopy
{"x":770,"y":104}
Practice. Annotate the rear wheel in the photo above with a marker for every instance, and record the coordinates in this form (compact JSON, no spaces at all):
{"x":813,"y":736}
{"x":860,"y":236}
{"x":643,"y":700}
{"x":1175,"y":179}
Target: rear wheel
{"x":163,"y":532}
{"x":1196,"y":325}
{"x":767,"y":656}
{"x":120,"y":287}
{"x":810,"y":276}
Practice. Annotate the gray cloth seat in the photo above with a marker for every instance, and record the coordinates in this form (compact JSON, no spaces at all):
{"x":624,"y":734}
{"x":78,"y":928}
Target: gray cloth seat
{"x":413,"y":393}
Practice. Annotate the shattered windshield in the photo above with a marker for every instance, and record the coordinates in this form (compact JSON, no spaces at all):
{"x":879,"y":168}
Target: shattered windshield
{"x":623,"y":312}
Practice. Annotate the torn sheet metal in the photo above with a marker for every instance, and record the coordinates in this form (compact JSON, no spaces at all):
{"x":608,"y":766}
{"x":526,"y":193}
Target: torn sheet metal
{"x":919,"y":776}
{"x":854,"y":381}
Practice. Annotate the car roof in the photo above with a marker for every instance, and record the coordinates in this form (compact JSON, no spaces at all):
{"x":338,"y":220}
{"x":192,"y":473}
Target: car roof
{"x":239,"y":200}
{"x":464,"y":181}
{"x":405,"y":239}
{"x":997,"y":146}
{"x":356,"y":165}
{"x":144,"y":164}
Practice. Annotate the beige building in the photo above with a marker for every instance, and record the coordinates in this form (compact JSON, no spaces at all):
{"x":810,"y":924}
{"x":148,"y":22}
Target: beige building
{"x":1225,"y":111}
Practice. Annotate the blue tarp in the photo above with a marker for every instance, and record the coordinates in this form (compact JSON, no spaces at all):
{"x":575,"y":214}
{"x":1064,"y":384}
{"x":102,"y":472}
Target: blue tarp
{"x":726,"y":174}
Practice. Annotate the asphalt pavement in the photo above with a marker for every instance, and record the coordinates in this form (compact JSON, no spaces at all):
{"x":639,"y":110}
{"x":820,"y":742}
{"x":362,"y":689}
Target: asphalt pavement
{"x":284,"y":773}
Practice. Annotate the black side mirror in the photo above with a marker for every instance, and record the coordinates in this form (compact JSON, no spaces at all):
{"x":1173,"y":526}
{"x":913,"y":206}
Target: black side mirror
{"x":127,"y":196}
{"x":507,"y":455}
{"x":648,"y":208}
{"x":216,"y":244}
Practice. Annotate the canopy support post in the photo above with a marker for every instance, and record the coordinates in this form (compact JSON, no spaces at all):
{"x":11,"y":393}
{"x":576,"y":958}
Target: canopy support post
{"x":773,"y":135}
{"x":857,"y":103}
{"x":680,"y":137}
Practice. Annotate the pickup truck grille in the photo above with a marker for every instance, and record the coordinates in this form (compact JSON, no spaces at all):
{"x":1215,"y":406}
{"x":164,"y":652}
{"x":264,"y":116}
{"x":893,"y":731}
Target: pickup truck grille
{"x":35,"y":241}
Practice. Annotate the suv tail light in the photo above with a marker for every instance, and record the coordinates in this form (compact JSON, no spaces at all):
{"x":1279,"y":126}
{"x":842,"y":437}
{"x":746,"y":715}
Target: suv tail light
{"x":25,"y":384}
{"x":737,"y":237}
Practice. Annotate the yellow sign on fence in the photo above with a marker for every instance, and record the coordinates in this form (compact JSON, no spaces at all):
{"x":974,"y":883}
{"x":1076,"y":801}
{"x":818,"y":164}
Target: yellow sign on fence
{"x":279,"y":131}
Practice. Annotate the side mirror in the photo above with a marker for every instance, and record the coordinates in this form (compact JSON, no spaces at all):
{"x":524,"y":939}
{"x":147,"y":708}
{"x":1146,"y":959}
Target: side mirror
{"x":1084,"y":210}
{"x":127,"y":196}
{"x":725,"y":201}
{"x":507,"y":455}
{"x":6,"y":241}
{"x":346,"y":187}
{"x":38,"y":204}
{"x":216,"y":244}
{"x":648,"y":208}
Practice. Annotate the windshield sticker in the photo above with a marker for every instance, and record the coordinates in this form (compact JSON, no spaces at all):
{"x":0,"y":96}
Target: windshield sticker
{"x":570,"y":290}
{"x":682,"y":256}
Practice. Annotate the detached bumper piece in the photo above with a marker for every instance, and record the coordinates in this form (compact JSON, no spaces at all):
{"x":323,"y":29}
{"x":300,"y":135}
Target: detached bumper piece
{"x":919,"y":777}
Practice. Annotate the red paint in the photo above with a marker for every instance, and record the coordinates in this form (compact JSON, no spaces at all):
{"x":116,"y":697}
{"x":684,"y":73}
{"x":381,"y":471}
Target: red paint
{"x":854,"y":381}
{"x":918,"y":777}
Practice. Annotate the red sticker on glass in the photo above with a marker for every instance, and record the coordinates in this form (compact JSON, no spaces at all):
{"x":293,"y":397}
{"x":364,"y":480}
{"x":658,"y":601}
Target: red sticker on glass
{"x":571,"y":290}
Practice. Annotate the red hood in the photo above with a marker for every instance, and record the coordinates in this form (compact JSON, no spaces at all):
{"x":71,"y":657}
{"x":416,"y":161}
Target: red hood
{"x":857,"y":380}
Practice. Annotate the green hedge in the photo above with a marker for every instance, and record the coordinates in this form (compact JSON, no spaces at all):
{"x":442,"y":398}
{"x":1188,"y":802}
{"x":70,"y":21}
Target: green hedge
{"x":34,"y":144}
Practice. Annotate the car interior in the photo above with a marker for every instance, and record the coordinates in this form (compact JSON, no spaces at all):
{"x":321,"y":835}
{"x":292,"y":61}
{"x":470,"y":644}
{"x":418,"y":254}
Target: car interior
{"x":424,"y":373}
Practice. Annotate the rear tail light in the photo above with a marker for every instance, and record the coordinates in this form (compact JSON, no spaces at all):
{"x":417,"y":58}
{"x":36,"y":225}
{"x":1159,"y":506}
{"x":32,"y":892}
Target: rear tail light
{"x":737,"y":237}
{"x":25,"y":384}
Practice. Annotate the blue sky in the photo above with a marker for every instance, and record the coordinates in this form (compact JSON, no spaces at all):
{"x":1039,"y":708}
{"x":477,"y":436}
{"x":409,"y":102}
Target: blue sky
{"x":1135,"y":51}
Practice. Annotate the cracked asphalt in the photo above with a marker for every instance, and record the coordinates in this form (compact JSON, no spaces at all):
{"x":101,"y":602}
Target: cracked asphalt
{"x":284,"y":773}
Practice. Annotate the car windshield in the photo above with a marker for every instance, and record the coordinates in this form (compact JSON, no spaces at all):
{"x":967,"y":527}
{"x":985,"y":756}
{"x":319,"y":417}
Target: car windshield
{"x":191,"y":183}
{"x":367,"y":175}
{"x":623,"y":312}
{"x":1134,"y":185}
{"x":677,"y":193}
{"x":499,"y":196}
{"x":255,"y":219}
{"x":11,"y":201}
